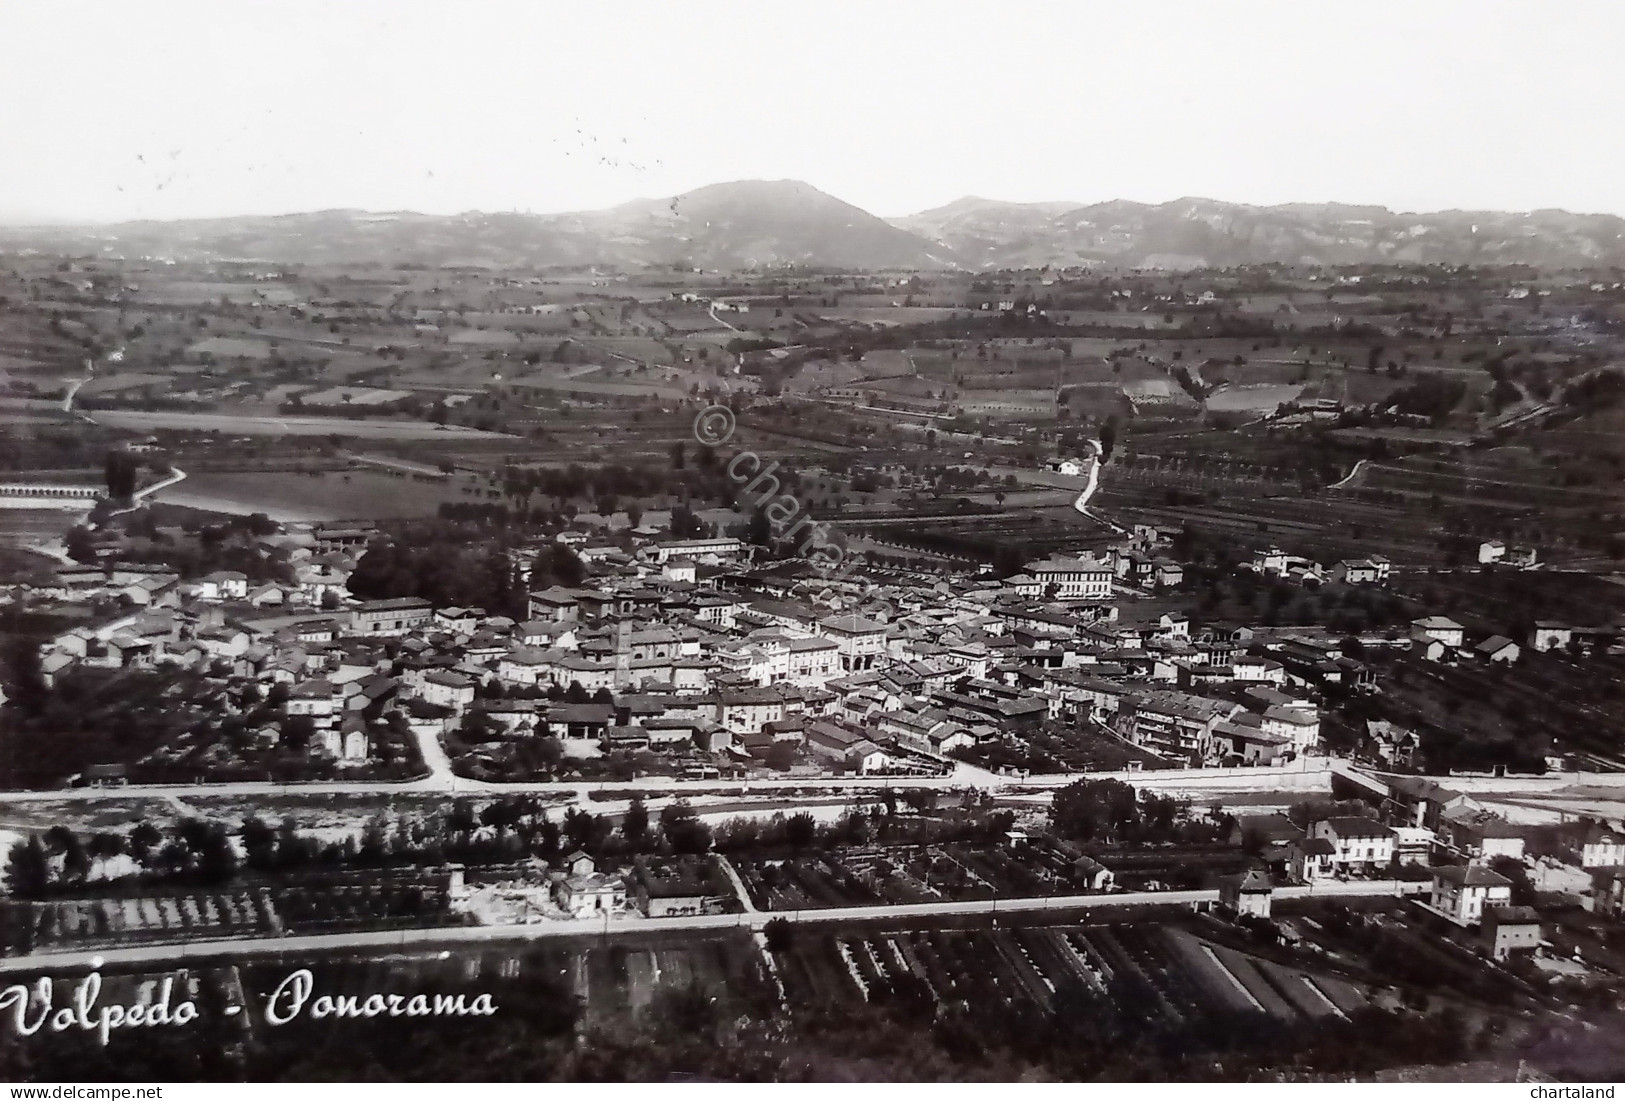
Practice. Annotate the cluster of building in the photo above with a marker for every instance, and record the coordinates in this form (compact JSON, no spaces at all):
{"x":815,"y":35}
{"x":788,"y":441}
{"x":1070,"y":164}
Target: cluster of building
{"x":691,"y":649}
{"x":686,"y":648}
{"x":1455,"y":843}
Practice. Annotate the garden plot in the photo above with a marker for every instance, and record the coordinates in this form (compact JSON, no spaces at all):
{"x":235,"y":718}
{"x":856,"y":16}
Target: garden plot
{"x":1157,"y":971}
{"x":905,"y":874}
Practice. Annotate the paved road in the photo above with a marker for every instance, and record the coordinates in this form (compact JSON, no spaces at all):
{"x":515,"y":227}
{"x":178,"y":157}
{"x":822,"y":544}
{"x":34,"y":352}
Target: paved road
{"x":753,"y":920}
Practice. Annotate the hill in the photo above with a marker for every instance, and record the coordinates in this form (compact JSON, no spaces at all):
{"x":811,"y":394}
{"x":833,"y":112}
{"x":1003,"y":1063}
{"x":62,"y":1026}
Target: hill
{"x":1190,"y":233}
{"x":757,"y":223}
{"x":731,"y":225}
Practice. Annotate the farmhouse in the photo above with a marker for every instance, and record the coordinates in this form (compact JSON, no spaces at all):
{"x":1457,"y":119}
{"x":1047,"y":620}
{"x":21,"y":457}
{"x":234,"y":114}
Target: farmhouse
{"x":1363,"y":571}
{"x":683,"y":888}
{"x":1440,"y":629}
{"x":1497,"y":648}
{"x":588,"y":894}
{"x":1548,"y":635}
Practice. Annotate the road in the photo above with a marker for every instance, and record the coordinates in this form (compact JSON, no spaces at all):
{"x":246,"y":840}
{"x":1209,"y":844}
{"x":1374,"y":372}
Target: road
{"x":1354,"y":472}
{"x":1314,"y":775}
{"x":752,"y":920}
{"x":434,"y":756}
{"x":727,"y":324}
{"x":73,"y":390}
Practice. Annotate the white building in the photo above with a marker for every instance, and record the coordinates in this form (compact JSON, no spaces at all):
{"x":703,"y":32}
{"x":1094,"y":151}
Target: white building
{"x":1464,"y":891}
{"x":1361,"y":844}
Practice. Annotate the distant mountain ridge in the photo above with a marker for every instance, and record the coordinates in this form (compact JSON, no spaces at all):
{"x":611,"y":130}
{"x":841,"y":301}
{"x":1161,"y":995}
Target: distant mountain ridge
{"x":1196,"y":232}
{"x":763,"y":223}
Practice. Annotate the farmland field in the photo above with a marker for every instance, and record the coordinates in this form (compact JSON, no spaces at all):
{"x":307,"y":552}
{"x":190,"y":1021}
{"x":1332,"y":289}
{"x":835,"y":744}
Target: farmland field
{"x":1252,"y":399}
{"x":228,"y":425}
{"x":353,"y":495}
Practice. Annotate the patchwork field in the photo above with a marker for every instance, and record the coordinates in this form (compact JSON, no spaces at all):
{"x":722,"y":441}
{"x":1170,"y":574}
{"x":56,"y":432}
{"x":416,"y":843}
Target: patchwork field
{"x":227,"y":425}
{"x":351,"y":495}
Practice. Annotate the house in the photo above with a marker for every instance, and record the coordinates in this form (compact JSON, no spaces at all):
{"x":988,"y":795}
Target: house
{"x":1363,"y":571}
{"x":861,"y":642}
{"x":671,"y":890}
{"x":1441,"y":629}
{"x":745,"y":710}
{"x":1418,"y":801}
{"x":1511,"y":930}
{"x":1413,"y":845}
{"x":1358,"y":844}
{"x":1172,"y":723}
{"x":1608,"y":893}
{"x":1480,"y":834}
{"x":1550,"y":636}
{"x":396,"y":616}
{"x":695,"y":548}
{"x":1492,"y":550}
{"x":1461,"y":892}
{"x":1247,"y":894}
{"x":447,"y":689}
{"x":849,"y":749}
{"x":348,"y":742}
{"x":554,"y":605}
{"x":589,"y":894}
{"x":1070,"y":467}
{"x":1312,"y":859}
{"x":1602,"y":848}
{"x":1497,"y":648}
{"x":224,"y":585}
{"x":1073,"y":578}
{"x":1092,"y":875}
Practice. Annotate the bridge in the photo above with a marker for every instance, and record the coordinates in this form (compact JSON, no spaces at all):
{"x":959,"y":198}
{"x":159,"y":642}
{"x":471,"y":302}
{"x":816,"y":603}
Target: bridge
{"x":44,"y":495}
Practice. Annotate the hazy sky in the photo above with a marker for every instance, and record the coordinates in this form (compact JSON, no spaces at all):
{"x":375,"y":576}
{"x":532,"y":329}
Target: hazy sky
{"x":155,"y":109}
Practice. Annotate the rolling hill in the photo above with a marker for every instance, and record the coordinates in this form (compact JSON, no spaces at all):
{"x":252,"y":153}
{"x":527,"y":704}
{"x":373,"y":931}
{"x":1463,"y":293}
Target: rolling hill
{"x":761,"y":223}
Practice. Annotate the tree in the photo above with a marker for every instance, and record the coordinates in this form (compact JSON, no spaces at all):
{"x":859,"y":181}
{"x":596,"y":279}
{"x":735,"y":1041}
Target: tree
{"x":120,"y":470}
{"x":800,"y":830}
{"x":143,"y":840}
{"x":583,"y":829}
{"x":779,"y":933}
{"x":28,"y":868}
{"x":259,"y":843}
{"x":1094,"y":809}
{"x":635,"y":823}
{"x":759,"y":532}
{"x":683,"y":829}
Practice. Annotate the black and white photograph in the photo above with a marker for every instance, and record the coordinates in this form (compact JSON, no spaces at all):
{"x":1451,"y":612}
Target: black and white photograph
{"x":811,"y":542}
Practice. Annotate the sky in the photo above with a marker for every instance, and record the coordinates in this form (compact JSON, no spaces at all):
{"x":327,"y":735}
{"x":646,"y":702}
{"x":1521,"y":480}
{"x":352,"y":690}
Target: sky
{"x":173,"y":109}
